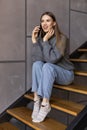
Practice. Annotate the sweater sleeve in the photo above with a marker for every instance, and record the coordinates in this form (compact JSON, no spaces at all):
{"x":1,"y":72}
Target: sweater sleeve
{"x":52,"y":53}
{"x":37,"y":53}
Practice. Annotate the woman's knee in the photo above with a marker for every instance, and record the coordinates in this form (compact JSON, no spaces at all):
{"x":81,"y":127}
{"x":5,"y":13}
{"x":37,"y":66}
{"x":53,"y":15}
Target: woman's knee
{"x":48,"y":67}
{"x":37,"y":65}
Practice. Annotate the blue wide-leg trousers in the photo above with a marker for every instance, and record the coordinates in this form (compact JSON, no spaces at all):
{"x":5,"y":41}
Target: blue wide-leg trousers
{"x":45,"y":74}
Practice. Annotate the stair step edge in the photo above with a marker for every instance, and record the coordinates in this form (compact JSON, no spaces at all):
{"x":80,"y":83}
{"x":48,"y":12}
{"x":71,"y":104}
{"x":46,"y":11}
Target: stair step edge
{"x":78,"y":60}
{"x":24,"y":115}
{"x":82,"y":50}
{"x":62,"y":105}
{"x":81,"y":73}
{"x":73,"y":88}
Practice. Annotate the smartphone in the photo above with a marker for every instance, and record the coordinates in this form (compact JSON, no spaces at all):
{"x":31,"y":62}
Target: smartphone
{"x":39,"y":33}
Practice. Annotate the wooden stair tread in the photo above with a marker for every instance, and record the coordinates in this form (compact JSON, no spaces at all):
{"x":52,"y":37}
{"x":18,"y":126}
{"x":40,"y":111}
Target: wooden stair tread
{"x":62,"y":105}
{"x":82,"y":50}
{"x":7,"y":126}
{"x":24,"y":115}
{"x":73,"y":88}
{"x":78,"y":60}
{"x":81,"y":73}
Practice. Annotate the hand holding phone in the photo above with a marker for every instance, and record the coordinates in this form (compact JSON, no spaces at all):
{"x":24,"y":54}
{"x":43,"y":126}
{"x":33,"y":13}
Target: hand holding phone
{"x":35,"y":33}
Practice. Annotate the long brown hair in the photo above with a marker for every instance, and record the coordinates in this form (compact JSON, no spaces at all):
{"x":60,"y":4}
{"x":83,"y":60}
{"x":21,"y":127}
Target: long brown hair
{"x":56,"y":28}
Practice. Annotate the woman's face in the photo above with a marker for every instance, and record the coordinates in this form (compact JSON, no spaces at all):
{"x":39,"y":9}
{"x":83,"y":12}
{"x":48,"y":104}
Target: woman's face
{"x":47,"y":23}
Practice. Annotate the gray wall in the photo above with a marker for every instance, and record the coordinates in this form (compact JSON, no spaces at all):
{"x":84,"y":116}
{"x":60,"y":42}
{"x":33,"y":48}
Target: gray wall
{"x":17,"y":20}
{"x":12,"y":51}
{"x":78,"y":23}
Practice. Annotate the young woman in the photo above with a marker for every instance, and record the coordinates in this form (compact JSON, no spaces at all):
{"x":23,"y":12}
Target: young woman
{"x":50,"y":64}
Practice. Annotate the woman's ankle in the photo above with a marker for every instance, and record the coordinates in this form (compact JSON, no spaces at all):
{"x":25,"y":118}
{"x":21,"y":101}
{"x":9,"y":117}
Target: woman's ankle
{"x":45,"y":102}
{"x":36,"y":97}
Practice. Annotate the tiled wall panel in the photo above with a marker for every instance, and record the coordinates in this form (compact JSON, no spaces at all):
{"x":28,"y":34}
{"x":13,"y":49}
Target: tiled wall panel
{"x":12,"y":48}
{"x":79,"y":5}
{"x":78,"y":29}
{"x":12,"y":30}
{"x":12,"y":83}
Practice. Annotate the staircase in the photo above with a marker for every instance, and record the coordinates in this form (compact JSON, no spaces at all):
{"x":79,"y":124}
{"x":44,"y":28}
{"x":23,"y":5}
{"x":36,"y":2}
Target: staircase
{"x":72,"y":108}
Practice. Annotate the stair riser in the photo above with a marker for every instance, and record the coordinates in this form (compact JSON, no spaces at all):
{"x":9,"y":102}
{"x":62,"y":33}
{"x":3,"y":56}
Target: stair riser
{"x":80,"y":66}
{"x":75,"y":97}
{"x":80,"y":80}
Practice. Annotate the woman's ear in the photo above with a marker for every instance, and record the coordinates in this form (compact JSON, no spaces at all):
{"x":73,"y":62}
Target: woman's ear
{"x":54,"y":23}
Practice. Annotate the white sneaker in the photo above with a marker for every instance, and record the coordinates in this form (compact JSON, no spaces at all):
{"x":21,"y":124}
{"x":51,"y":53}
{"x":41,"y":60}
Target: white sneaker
{"x":44,"y":110}
{"x":36,"y":109}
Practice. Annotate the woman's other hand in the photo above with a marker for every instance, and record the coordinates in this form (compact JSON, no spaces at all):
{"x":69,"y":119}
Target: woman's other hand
{"x":48,"y":35}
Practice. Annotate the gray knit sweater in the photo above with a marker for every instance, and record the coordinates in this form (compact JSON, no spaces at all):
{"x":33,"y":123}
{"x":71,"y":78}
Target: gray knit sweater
{"x":49,"y":53}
